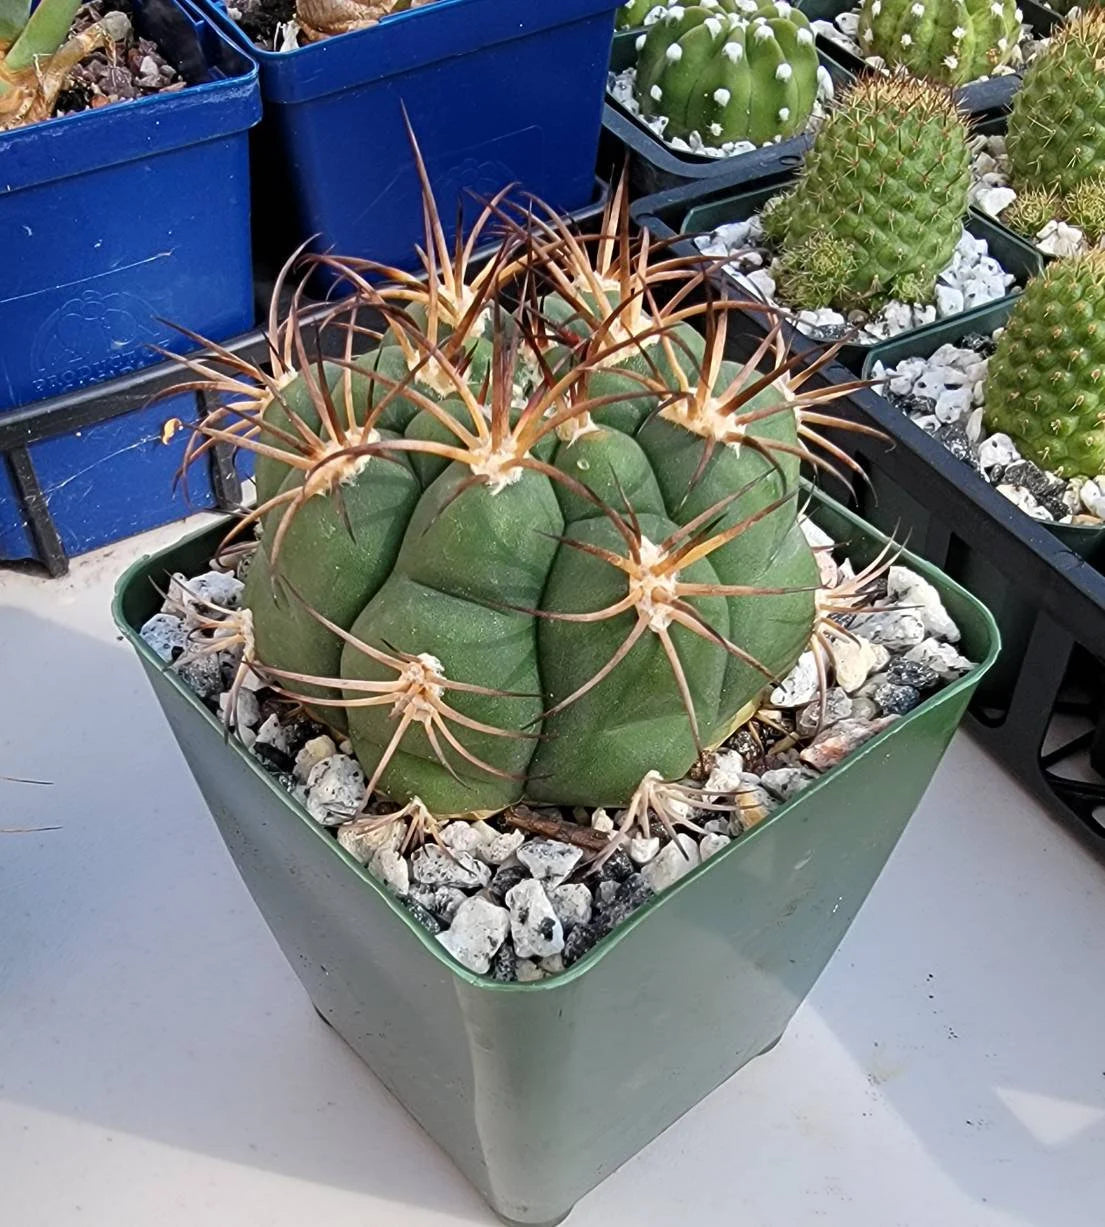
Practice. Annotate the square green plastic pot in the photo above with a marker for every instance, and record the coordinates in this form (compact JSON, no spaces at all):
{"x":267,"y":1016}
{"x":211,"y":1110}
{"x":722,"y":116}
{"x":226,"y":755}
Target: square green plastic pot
{"x":539,"y":1091}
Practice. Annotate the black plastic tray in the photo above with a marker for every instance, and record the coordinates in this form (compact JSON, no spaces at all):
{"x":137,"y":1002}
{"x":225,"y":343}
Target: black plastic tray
{"x":699,"y":208}
{"x":975,"y":97}
{"x":656,"y":167}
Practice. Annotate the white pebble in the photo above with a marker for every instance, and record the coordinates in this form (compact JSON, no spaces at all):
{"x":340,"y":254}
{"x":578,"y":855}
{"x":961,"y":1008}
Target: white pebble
{"x":993,"y":200}
{"x":895,"y":629}
{"x":998,"y":449}
{"x":941,"y":657}
{"x":534,"y":925}
{"x":502,"y":847}
{"x":335,"y":789}
{"x":953,"y":404}
{"x":479,"y":928}
{"x":949,"y":300}
{"x":601,"y":821}
{"x":711,"y":843}
{"x":641,"y":851}
{"x":906,"y":587}
{"x":273,"y":733}
{"x":312,"y":753}
{"x":527,"y":972}
{"x":725,"y":774}
{"x":799,"y":686}
{"x":854,"y":660}
{"x":432,"y":866}
{"x":165,"y":634}
{"x":388,"y":867}
{"x":786,"y":782}
{"x":1059,"y":239}
{"x":676,"y":859}
{"x":549,"y":860}
{"x":572,"y":903}
{"x":1092,"y":497}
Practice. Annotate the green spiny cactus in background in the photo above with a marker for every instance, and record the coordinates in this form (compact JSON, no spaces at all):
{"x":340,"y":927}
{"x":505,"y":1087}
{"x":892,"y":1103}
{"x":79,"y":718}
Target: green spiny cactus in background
{"x":1031,"y":211}
{"x":558,"y":582}
{"x":1045,"y":385}
{"x":879,"y":203}
{"x":633,"y":13}
{"x":1084,"y":207}
{"x":1056,"y":135}
{"x":728,"y":70}
{"x":36,"y":54}
{"x":950,"y":41}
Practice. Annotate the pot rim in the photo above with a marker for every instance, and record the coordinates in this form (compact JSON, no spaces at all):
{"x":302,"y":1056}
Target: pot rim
{"x":606,"y":944}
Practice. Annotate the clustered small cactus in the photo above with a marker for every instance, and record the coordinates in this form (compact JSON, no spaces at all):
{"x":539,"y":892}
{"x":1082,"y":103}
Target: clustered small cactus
{"x":1045,"y":385}
{"x":950,"y":41}
{"x":633,"y":14}
{"x":728,"y":70}
{"x":551,"y":551}
{"x":37,"y":55}
{"x":880,"y":200}
{"x":1056,"y":134}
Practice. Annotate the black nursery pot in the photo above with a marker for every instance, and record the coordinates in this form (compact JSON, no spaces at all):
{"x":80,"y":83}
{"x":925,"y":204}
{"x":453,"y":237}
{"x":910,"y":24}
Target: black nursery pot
{"x":974,"y":97}
{"x":654,"y":166}
{"x":677,"y":215}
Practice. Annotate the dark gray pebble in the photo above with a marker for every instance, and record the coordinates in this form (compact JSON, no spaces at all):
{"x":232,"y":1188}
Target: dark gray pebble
{"x":618,"y":867}
{"x":504,"y":964}
{"x":581,"y":939}
{"x":914,"y":673}
{"x":977,"y":341}
{"x":506,"y":877}
{"x":954,"y":438}
{"x":895,"y":700}
{"x":429,"y":922}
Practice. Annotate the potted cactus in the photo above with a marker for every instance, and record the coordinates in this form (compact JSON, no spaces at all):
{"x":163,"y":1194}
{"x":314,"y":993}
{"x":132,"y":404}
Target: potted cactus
{"x":525,"y":562}
{"x":698,"y":88}
{"x":977,"y":49}
{"x":1043,"y":174}
{"x":872,"y":237}
{"x":1013,"y":391}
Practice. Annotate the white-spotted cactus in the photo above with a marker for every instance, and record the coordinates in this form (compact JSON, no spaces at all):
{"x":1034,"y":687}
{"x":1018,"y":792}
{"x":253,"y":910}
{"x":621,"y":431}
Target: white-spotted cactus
{"x":728,"y":70}
{"x":950,"y":41}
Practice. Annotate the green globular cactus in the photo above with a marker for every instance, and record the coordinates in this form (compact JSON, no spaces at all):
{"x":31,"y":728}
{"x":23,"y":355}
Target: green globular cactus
{"x":950,"y":41}
{"x":633,"y":14}
{"x":1045,"y":384}
{"x":558,"y":581}
{"x":1056,"y":134}
{"x":879,"y":203}
{"x":728,"y":70}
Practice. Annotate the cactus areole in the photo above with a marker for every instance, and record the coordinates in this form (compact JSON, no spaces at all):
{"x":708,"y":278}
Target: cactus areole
{"x":950,"y":41}
{"x":542,"y":553}
{"x":730,"y":70}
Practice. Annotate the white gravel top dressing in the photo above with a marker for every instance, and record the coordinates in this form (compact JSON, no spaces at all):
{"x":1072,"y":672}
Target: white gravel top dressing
{"x":620,"y":86}
{"x":523,"y":895}
{"x":944,"y":394}
{"x":992,"y":192}
{"x":843,"y":30}
{"x":972,"y":278}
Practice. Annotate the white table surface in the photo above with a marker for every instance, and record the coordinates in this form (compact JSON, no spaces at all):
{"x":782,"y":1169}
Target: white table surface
{"x":160,"y":1064}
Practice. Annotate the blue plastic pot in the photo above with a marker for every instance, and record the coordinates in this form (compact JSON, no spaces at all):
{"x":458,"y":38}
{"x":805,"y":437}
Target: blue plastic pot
{"x":112,"y":221}
{"x":498,"y":92}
